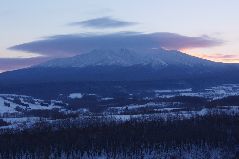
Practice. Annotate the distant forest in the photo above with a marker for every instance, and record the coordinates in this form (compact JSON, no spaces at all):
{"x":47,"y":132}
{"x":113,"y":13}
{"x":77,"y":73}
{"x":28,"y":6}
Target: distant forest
{"x":130,"y":139}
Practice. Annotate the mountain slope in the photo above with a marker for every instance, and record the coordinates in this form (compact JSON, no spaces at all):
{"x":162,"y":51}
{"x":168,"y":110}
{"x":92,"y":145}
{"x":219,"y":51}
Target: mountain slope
{"x":124,"y":65}
{"x":125,"y":58}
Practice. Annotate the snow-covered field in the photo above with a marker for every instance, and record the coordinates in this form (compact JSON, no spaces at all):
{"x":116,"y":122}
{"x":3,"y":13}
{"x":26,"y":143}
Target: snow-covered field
{"x":171,"y":114}
{"x":215,"y":92}
{"x":13,"y":107}
{"x":10,"y":103}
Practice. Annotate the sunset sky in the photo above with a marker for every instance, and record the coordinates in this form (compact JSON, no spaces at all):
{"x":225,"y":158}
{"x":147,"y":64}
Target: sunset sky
{"x":31,"y":31}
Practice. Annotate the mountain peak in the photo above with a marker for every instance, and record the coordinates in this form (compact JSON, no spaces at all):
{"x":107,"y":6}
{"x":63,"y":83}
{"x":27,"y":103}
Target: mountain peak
{"x":123,"y":65}
{"x":156,"y":58}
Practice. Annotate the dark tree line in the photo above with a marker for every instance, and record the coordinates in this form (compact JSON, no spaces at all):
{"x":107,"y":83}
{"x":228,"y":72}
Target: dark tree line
{"x":130,"y":137}
{"x":3,"y":123}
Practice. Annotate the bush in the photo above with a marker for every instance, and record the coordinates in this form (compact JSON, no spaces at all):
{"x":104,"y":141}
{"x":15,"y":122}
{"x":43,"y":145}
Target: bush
{"x":3,"y":123}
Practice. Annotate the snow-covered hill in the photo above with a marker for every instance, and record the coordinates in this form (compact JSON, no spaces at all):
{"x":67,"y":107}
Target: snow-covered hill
{"x":126,"y":57}
{"x":124,"y":65}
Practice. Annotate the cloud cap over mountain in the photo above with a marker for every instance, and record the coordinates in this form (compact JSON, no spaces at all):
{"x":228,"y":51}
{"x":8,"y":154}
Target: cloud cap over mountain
{"x":69,"y":45}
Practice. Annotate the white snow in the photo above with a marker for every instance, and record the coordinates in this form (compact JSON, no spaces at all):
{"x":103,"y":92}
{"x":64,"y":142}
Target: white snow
{"x":216,"y":92}
{"x":7,"y":98}
{"x":75,"y":95}
{"x":104,"y":57}
{"x":158,"y":58}
{"x":107,"y":98}
{"x":6,"y":109}
{"x":173,"y":90}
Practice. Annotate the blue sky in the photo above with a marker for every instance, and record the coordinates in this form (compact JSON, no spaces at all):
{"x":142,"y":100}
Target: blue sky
{"x":26,"y":21}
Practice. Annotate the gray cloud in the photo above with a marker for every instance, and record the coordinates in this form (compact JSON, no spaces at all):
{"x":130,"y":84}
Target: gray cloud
{"x":69,"y":45}
{"x":103,"y":22}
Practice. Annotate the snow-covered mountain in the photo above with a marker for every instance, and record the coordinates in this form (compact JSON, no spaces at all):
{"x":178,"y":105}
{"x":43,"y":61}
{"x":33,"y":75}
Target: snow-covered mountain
{"x":125,"y":65}
{"x":158,"y":58}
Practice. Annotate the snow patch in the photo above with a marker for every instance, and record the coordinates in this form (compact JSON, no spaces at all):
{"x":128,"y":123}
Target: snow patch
{"x":75,"y":95}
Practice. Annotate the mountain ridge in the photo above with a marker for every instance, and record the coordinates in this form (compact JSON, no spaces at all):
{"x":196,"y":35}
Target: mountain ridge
{"x":124,"y":65}
{"x":127,"y":57}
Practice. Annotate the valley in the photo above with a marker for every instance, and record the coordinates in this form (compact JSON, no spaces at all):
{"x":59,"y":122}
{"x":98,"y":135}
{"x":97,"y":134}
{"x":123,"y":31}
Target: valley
{"x":165,"y":104}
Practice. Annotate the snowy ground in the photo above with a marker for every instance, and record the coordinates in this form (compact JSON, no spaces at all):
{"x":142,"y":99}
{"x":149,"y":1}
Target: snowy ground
{"x":11,"y":106}
{"x":171,"y":114}
{"x":215,"y":92}
{"x":9,"y":103}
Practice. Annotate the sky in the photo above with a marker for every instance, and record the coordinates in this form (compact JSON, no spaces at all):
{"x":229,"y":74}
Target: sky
{"x":33,"y":31}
